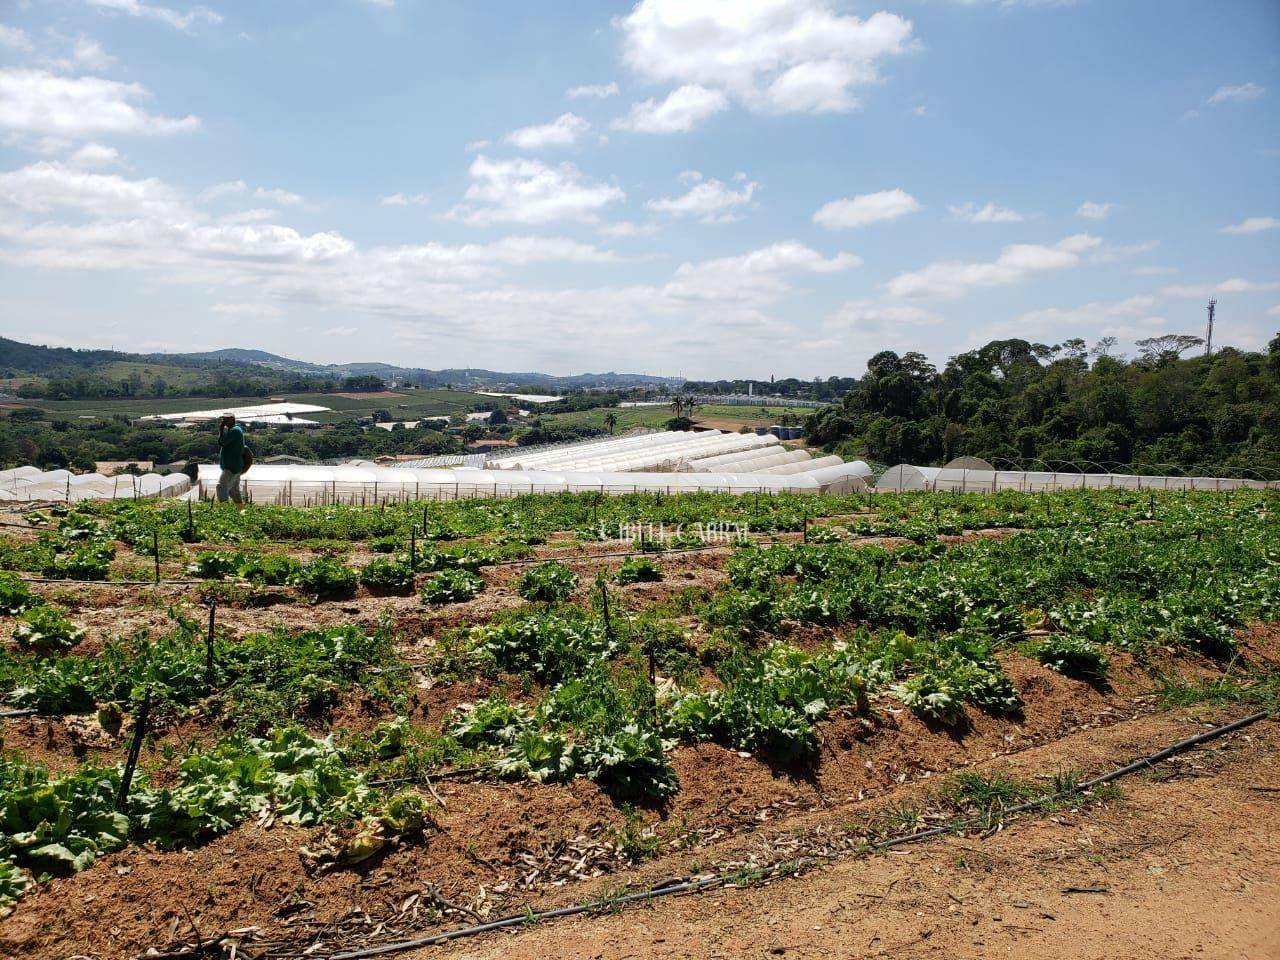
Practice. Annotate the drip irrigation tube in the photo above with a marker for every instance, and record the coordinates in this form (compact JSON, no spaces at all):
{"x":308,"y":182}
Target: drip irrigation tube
{"x":686,"y":886}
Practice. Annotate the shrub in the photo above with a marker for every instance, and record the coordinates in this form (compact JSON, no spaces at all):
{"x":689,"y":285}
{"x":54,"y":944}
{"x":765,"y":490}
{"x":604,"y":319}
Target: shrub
{"x":46,"y":629}
{"x":326,"y":577}
{"x":1073,"y":655}
{"x":390,"y":575}
{"x":638,"y":570}
{"x":451,"y":586}
{"x":547,"y":582}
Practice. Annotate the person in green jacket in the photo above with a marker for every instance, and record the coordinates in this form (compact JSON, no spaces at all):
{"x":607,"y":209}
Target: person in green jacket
{"x":230,"y":459}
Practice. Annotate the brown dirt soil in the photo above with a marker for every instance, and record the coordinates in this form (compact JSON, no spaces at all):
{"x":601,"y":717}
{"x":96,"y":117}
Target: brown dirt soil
{"x":1187,"y":868}
{"x":499,"y":844}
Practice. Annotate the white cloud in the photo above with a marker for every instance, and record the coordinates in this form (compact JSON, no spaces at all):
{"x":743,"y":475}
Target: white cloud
{"x":1233,"y":285}
{"x":414,"y":294}
{"x":166,"y":15}
{"x":865,"y":208}
{"x":475,"y":145}
{"x":1274,"y":311}
{"x":1129,"y":319}
{"x":1153,"y":271}
{"x":990,"y":213}
{"x":1252,"y":225}
{"x":15,"y":38}
{"x":597,"y":91}
{"x":711,"y":201}
{"x":1237,"y":94}
{"x":37,"y":101}
{"x":1094,"y":211}
{"x":1115,"y":252}
{"x":1017,"y":262}
{"x":628,"y":228}
{"x":759,"y":275}
{"x":886,"y":324}
{"x":772,"y":55}
{"x":252,"y":310}
{"x":405,"y":200}
{"x":95,"y":155}
{"x":254,"y":215}
{"x":277,"y":195}
{"x":563,"y":131}
{"x":682,"y":110}
{"x":530,"y":191}
{"x":47,"y":186}
{"x":87,"y":53}
{"x":229,"y":188}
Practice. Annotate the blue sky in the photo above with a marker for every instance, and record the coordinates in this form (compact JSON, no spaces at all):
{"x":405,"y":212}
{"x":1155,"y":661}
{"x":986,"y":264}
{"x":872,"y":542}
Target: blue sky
{"x":737,"y":188}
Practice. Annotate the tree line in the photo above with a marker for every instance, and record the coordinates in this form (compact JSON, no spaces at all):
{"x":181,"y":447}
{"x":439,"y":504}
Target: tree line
{"x":1017,"y":400}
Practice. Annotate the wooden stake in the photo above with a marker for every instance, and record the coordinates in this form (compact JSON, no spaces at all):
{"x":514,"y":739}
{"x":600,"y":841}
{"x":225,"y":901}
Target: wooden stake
{"x":155,"y":546}
{"x":413,"y":548}
{"x":208,"y":646}
{"x":135,"y":747}
{"x":604,"y":602}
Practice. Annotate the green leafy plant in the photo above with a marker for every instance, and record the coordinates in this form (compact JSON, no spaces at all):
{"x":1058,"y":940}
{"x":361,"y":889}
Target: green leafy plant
{"x":1073,"y":655}
{"x":215,"y":565}
{"x":638,"y":570}
{"x":326,"y":577}
{"x":388,"y":575}
{"x":270,"y":569}
{"x":451,"y":586}
{"x":46,"y":629}
{"x":547,"y":583}
{"x":15,"y":596}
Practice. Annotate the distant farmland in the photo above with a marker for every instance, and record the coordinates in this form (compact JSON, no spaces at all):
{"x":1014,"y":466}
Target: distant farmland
{"x":407,"y":405}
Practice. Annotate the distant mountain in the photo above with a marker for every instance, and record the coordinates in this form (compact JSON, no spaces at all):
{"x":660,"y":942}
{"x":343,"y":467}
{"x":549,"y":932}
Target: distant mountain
{"x":23,"y":359}
{"x":457,"y":377}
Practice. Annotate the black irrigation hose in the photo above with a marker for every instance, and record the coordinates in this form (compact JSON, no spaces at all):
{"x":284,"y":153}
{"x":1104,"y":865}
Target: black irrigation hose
{"x":664,"y":890}
{"x":117,"y":583}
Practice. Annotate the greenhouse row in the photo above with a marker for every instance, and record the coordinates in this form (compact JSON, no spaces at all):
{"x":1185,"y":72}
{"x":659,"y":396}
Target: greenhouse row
{"x":32,"y":484}
{"x":981,"y":477}
{"x":364,"y":483}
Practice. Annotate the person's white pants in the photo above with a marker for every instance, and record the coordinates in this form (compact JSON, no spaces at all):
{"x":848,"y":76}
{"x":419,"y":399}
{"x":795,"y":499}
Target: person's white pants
{"x":229,"y":487}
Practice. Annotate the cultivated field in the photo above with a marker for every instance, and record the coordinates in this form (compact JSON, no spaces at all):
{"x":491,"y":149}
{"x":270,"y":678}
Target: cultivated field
{"x":404,"y":405}
{"x":424,"y":717}
{"x":707,"y":415}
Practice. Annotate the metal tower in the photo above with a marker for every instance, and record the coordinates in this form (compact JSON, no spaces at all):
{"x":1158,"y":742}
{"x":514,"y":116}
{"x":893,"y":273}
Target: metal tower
{"x":1208,"y":336}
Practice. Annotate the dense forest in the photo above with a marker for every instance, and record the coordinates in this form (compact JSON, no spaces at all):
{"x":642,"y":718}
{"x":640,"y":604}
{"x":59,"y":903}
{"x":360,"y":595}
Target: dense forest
{"x":1016,"y":400}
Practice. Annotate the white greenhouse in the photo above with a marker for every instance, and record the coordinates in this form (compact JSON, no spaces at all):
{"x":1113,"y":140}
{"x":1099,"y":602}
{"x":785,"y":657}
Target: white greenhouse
{"x":972,"y":475}
{"x":28,"y":484}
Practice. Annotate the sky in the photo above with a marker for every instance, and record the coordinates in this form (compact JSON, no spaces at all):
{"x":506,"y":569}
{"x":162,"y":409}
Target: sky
{"x":702,"y":188}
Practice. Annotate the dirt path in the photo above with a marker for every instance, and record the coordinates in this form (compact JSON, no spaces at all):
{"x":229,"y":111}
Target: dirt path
{"x":1191,"y":868}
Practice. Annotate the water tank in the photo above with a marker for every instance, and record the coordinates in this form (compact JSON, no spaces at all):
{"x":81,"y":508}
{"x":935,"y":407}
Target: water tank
{"x":761,"y":431}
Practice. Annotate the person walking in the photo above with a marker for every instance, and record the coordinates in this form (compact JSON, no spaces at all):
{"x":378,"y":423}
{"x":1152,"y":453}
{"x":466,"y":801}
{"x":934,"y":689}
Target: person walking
{"x":231,"y":458}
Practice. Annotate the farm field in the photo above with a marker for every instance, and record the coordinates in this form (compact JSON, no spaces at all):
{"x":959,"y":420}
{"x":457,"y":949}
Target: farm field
{"x":364,"y":726}
{"x":719,"y":416}
{"x":406,"y":405}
